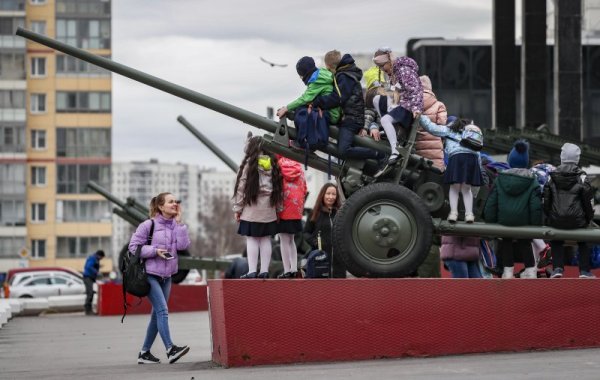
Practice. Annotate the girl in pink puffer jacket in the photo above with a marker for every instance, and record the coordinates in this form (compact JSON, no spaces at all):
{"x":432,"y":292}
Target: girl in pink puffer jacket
{"x":427,"y":145}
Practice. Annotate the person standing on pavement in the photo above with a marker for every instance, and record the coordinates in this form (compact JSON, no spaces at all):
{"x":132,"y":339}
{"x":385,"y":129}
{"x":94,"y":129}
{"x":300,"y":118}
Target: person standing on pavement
{"x":90,"y":273}
{"x":160,"y":258}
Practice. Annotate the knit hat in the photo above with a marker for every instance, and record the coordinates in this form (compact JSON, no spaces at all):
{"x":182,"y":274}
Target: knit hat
{"x":425,"y":82}
{"x":570,"y":154}
{"x":373,"y":77}
{"x":305,"y":67}
{"x":519,"y":155}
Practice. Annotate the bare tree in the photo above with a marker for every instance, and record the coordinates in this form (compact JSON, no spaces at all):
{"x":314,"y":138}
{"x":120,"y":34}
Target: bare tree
{"x":218,"y":231}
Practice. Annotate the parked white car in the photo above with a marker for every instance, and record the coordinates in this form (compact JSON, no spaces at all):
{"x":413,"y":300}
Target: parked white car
{"x":44,"y":284}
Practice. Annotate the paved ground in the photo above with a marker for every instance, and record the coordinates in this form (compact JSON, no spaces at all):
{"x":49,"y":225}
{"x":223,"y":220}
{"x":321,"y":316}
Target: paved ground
{"x":73,"y":346}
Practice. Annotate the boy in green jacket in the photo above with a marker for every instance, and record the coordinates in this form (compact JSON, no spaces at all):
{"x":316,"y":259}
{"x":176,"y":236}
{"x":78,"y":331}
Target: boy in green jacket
{"x":318,"y":82}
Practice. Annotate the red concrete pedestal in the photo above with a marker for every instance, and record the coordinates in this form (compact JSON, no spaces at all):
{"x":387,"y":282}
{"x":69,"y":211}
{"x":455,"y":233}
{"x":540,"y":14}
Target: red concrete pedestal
{"x":183,"y":298}
{"x":256,"y":322}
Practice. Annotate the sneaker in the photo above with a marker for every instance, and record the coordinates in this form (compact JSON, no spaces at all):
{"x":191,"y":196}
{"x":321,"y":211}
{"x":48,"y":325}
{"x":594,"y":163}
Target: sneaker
{"x":147,"y":358}
{"x":248,"y":275}
{"x":529,"y":273}
{"x":545,"y":257}
{"x":508,"y":272}
{"x":176,"y":352}
{"x":470,"y":217}
{"x":586,"y":274}
{"x":453,"y":217}
{"x":393,"y":159}
{"x":557,"y":273}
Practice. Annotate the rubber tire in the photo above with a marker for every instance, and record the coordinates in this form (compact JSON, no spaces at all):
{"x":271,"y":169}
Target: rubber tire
{"x":359,"y":262}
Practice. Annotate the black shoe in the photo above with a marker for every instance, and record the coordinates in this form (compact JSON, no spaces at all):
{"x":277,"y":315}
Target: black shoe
{"x":284,"y":275}
{"x":248,"y":275}
{"x":176,"y":352}
{"x":393,"y":159}
{"x":147,"y":358}
{"x":89,"y":312}
{"x":263,"y":275}
{"x":293,"y":275}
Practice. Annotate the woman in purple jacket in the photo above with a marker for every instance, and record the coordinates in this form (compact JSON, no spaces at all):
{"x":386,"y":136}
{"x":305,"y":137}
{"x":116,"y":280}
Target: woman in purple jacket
{"x":169,"y":236}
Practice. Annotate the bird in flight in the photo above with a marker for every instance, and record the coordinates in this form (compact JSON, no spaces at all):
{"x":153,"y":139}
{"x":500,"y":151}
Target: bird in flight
{"x":273,"y":64}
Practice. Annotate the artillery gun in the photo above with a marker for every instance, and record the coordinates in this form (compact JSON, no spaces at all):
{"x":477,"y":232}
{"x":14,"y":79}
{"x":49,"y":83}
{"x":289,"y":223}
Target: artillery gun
{"x":385,"y":227}
{"x":135,"y":213}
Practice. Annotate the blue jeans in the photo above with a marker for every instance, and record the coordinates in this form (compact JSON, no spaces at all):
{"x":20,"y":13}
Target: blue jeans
{"x":159,"y":321}
{"x":463,"y":269}
{"x":345,"y":148}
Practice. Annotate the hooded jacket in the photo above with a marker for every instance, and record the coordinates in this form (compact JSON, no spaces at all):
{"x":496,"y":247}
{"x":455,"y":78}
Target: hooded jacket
{"x":568,"y":198}
{"x":459,"y":248}
{"x":515,"y":199}
{"x":429,"y":146}
{"x":453,"y":138}
{"x":167,"y":233}
{"x":294,"y":189}
{"x":406,"y":75}
{"x":320,"y":82}
{"x":261,"y":211}
{"x":350,"y":96}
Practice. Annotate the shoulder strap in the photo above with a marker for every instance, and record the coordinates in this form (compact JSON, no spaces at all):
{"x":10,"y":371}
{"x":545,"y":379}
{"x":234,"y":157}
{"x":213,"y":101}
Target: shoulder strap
{"x":149,"y":240}
{"x":336,"y":87}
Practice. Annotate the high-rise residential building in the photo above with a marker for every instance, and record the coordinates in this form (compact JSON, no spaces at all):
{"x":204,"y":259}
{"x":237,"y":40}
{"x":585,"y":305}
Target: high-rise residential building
{"x":55,"y":134}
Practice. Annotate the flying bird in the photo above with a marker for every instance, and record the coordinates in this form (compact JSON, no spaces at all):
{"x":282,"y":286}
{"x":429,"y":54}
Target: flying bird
{"x":273,"y":64}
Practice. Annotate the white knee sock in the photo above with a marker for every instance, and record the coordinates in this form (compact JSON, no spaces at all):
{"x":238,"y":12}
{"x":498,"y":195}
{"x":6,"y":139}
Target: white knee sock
{"x":453,"y":196}
{"x":288,"y":252}
{"x":390,"y":132}
{"x":265,"y":253}
{"x":465,"y":189}
{"x":252,"y":247}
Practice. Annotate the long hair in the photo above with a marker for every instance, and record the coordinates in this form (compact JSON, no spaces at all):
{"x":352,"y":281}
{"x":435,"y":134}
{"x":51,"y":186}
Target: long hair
{"x":252,"y":186}
{"x":156,"y":201}
{"x":319,"y":203}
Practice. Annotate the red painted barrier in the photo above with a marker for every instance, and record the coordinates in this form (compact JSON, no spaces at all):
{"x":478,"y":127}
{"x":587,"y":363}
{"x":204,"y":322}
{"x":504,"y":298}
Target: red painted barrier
{"x":183,"y":298}
{"x":256,"y":322}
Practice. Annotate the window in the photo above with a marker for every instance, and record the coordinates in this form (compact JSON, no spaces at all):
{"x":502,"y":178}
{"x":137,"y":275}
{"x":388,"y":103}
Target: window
{"x":37,"y":2}
{"x":80,"y":246}
{"x":83,"y":7}
{"x":38,"y":26}
{"x":38,"y":249}
{"x":38,"y":212}
{"x":12,"y":5}
{"x":83,"y":142}
{"x":73,"y":178}
{"x":12,"y":65}
{"x":68,"y":65}
{"x":10,"y":246}
{"x":38,"y":176}
{"x":38,"y":67}
{"x":12,"y":99}
{"x":12,"y":139}
{"x":12,"y":179}
{"x":83,"y":211}
{"x":84,"y":33}
{"x":82,"y":101}
{"x":38,"y":103}
{"x":38,"y":139}
{"x":8,"y":25}
{"x":12,"y":213}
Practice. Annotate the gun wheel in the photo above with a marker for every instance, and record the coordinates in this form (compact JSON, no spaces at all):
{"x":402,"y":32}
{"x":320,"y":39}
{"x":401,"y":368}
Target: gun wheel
{"x":383,"y":230}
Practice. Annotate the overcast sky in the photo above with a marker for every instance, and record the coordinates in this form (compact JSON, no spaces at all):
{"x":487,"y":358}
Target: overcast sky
{"x":213,"y":47}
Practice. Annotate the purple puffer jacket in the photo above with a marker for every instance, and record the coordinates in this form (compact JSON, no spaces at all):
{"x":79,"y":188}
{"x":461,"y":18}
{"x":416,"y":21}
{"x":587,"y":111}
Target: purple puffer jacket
{"x":406,"y":74}
{"x":459,"y":248}
{"x":167,"y":235}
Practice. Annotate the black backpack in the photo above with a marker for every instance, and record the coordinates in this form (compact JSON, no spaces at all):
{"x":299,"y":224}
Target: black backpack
{"x":318,"y":262}
{"x":135,"y":279}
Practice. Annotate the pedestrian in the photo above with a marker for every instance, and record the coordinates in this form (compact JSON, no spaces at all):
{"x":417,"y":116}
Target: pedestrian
{"x":90,"y":273}
{"x":160,"y":259}
{"x":568,"y":197}
{"x":290,"y":217}
{"x":463,"y":170}
{"x":426,"y":145}
{"x":320,"y":223}
{"x":237,"y":268}
{"x":461,"y":256}
{"x":257,"y":197}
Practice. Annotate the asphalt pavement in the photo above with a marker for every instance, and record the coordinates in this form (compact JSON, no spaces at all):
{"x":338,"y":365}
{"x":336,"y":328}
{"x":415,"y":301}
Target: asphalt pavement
{"x":73,"y":346}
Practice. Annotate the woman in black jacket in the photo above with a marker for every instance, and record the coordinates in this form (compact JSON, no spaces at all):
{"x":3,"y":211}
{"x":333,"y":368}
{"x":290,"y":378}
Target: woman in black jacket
{"x":321,"y":221}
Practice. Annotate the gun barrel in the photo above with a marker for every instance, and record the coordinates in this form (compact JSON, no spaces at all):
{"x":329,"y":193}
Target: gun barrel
{"x":209,"y":144}
{"x":127,"y":217}
{"x":490,"y":230}
{"x":106,"y":194}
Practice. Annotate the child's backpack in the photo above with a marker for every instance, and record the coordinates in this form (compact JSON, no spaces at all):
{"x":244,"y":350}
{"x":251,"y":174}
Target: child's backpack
{"x":318,"y":262}
{"x":472,"y":137}
{"x":312,"y":129}
{"x":135,"y":279}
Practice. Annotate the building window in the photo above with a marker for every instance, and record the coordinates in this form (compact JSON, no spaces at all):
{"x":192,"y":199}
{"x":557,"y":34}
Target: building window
{"x":83,"y":7}
{"x":38,"y":26}
{"x":12,"y":5}
{"x":37,"y":2}
{"x":8,"y":25}
{"x":38,"y":139}
{"x":38,"y":176}
{"x":38,"y":66}
{"x":83,"y":142}
{"x":12,"y":245}
{"x":38,"y":249}
{"x":80,"y":246}
{"x":12,"y":139}
{"x":12,"y":212}
{"x":12,"y":180}
{"x":82,"y":101}
{"x":83,"y":211}
{"x":38,"y":212}
{"x":12,"y":99}
{"x":12,"y":65}
{"x":65,"y":64}
{"x":73,"y":178}
{"x":38,"y":103}
{"x":84,"y":33}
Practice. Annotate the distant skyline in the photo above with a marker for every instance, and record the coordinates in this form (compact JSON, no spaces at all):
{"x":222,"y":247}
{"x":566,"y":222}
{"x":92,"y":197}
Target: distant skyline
{"x":215,"y":48}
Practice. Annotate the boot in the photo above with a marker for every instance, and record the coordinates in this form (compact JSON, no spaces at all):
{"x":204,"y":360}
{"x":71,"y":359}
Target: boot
{"x":530,"y":272}
{"x":508,"y":272}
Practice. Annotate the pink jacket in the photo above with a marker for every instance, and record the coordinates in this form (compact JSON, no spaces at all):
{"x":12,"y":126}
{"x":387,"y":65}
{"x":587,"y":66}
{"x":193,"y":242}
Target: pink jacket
{"x":459,"y":248}
{"x":427,"y":145}
{"x":294,"y":189}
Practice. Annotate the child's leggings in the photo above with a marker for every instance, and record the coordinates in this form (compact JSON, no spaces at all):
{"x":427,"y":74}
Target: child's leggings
{"x":289,"y":254}
{"x":254,"y":245}
{"x":465,"y":189}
